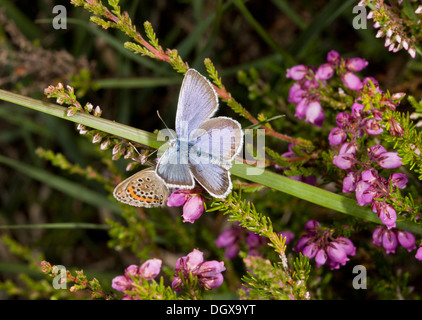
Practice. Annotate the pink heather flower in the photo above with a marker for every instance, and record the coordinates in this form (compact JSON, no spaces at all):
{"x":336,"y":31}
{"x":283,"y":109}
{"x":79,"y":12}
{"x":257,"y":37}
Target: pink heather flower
{"x":311,"y":227}
{"x":121,"y":283}
{"x":302,"y":243}
{"x":192,"y":261}
{"x":389,"y":160}
{"x":212,"y":282}
{"x":357,"y":110}
{"x":325,"y":71}
{"x":418,"y":254}
{"x":297,"y":72}
{"x":376,"y":150}
{"x":406,"y":239}
{"x":351,"y":81}
{"x":398,"y":180}
{"x":389,"y":241}
{"x":150,"y":269}
{"x":333,"y":57}
{"x":208,"y":272}
{"x":177,"y":198}
{"x":356,"y":64}
{"x":343,"y":119}
{"x":310,"y":250}
{"x":193,"y":209}
{"x":227,"y":238}
{"x":369,"y":175}
{"x":192,"y":201}
{"x":364,"y":193}
{"x":301,"y":107}
{"x":211,"y":268}
{"x":296,"y":93}
{"x":377,"y":235}
{"x":336,"y":253}
{"x":315,"y":114}
{"x":321,"y":257}
{"x":337,"y":136}
{"x":388,"y":215}
{"x":347,"y":245}
{"x":344,"y":161}
{"x":373,"y":127}
{"x":254,"y":242}
{"x":347,"y":148}
{"x":349,"y":183}
{"x":319,"y":244}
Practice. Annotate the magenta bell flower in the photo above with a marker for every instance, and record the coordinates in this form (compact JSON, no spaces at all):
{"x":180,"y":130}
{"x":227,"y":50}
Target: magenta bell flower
{"x":297,"y":72}
{"x":418,"y":254}
{"x":398,"y":180}
{"x":349,"y":183}
{"x":150,"y":269}
{"x":356,"y":64}
{"x":388,"y":215}
{"x":336,"y":253}
{"x":344,"y":161}
{"x":337,"y":136}
{"x":318,"y":243}
{"x":325,"y":71}
{"x":351,"y":81}
{"x":389,"y":160}
{"x":406,"y":239}
{"x":192,"y":201}
{"x":389,"y":241}
{"x":314,"y":113}
{"x":333,"y":57}
{"x":208,"y":272}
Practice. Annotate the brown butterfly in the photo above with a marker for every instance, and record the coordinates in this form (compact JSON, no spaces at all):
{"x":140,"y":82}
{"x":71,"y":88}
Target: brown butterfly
{"x":143,"y":189}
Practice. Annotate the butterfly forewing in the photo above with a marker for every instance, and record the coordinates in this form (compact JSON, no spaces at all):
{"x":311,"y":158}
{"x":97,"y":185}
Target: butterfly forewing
{"x":198,"y":102}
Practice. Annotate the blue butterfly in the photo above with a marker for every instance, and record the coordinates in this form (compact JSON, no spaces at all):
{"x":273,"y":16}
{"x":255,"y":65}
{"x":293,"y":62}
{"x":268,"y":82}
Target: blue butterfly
{"x":204,"y":147}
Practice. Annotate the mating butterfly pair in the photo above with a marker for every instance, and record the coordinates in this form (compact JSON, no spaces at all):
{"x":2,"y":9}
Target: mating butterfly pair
{"x":203,"y":150}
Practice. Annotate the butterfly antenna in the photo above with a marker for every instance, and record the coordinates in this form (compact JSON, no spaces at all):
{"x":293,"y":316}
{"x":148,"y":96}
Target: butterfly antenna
{"x":171,"y":131}
{"x":141,"y":155}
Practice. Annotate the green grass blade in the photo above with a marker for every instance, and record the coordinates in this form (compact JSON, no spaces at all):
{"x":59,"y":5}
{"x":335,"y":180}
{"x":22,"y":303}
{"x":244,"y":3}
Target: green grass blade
{"x":134,"y":82}
{"x":105,"y":125}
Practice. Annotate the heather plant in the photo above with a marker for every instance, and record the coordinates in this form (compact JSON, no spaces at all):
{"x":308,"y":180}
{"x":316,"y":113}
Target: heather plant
{"x":341,"y":185}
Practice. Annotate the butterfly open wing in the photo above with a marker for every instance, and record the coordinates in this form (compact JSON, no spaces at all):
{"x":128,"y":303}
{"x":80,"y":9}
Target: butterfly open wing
{"x":172,"y":168}
{"x":198,"y":102}
{"x":221,"y":138}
